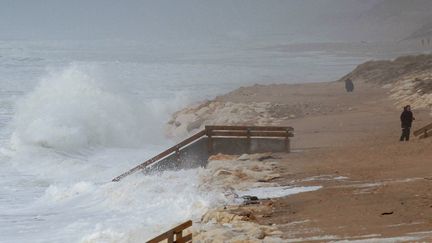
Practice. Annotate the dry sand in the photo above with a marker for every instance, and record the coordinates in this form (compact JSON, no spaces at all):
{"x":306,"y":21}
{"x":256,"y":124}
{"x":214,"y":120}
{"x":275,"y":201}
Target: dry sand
{"x":374,"y":188}
{"x":385,"y":190}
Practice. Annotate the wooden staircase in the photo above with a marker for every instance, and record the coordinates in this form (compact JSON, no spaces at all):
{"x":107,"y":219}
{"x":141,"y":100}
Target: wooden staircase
{"x":212,"y":133}
{"x":174,"y":235}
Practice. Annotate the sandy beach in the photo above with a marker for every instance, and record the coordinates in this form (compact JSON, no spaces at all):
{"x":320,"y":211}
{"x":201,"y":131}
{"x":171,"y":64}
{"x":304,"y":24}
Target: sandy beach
{"x":374,"y":187}
{"x":385,"y":187}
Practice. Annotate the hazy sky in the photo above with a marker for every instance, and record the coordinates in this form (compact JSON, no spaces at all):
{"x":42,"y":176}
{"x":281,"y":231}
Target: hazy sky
{"x":141,"y":19}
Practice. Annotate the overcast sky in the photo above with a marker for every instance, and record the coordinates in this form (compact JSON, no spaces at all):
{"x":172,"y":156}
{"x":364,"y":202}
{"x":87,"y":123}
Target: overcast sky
{"x":141,"y":19}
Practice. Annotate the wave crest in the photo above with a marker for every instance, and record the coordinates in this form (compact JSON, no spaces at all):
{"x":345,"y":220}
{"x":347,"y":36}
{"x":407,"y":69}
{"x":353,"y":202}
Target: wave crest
{"x":70,"y":110}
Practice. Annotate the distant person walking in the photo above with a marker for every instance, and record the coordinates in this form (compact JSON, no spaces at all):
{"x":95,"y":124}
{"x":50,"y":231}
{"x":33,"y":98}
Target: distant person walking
{"x":349,"y":85}
{"x":406,"y":120}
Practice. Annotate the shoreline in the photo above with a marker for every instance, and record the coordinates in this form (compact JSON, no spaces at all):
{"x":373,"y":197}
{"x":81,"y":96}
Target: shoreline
{"x":373,"y":186}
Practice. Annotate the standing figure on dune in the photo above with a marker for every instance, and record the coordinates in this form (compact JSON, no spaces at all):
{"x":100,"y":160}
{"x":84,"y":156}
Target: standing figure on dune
{"x":349,"y":85}
{"x":406,"y":120}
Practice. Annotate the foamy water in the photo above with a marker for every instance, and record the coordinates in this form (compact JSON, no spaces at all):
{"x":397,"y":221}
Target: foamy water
{"x":74,"y":115}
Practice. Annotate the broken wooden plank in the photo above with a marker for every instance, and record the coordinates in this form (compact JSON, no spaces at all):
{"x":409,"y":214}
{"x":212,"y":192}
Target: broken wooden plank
{"x":423,"y":130}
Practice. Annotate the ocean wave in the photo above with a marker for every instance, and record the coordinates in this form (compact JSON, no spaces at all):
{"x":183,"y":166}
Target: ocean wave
{"x":72,"y":109}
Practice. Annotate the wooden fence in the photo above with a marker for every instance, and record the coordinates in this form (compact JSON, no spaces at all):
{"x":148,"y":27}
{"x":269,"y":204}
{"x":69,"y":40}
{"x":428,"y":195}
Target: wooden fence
{"x":174,"y":235}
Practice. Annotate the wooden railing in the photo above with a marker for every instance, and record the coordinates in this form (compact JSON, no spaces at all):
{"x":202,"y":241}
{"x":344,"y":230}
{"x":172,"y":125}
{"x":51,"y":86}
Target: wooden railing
{"x":424,"y":132}
{"x":219,"y":131}
{"x":173,"y":149}
{"x":249,"y":132}
{"x":174,"y":235}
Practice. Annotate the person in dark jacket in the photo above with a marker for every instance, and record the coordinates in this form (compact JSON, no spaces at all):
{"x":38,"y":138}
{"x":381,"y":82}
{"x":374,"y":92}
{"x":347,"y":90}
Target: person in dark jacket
{"x":406,"y":121}
{"x":349,"y":85}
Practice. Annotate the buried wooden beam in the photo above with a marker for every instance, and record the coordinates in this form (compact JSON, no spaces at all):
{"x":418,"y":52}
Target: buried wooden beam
{"x":423,"y":131}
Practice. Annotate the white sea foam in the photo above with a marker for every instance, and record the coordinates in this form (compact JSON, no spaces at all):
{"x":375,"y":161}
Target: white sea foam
{"x":273,"y":192}
{"x":128,"y":211}
{"x":70,"y":110}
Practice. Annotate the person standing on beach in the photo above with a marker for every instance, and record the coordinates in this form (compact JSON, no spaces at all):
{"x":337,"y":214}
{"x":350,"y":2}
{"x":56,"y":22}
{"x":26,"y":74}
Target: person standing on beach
{"x":406,"y":120}
{"x":349,"y":85}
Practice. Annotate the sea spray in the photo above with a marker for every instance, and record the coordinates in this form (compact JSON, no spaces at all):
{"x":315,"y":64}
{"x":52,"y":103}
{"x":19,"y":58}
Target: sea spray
{"x":70,"y":110}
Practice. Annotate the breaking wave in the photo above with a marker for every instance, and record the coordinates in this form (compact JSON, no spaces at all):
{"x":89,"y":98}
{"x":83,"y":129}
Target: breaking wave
{"x":71,"y":109}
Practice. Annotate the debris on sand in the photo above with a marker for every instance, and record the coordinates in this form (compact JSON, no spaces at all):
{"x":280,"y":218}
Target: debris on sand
{"x":246,"y":181}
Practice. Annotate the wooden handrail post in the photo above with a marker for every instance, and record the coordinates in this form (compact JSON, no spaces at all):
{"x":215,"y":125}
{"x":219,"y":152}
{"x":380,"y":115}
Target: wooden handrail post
{"x":171,"y":237}
{"x":177,"y":155}
{"x":209,"y":140}
{"x":179,"y":237}
{"x":287,"y":141}
{"x":249,"y":143}
{"x":287,"y":145}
